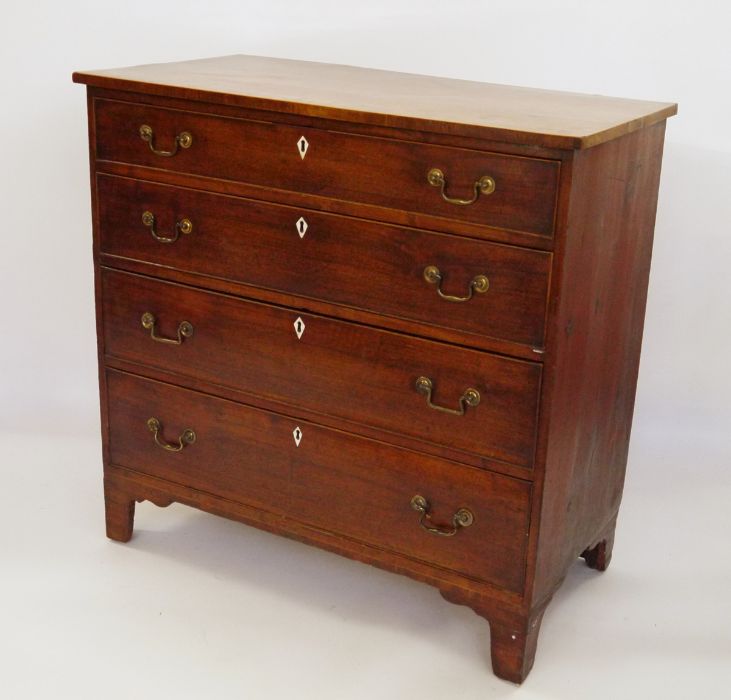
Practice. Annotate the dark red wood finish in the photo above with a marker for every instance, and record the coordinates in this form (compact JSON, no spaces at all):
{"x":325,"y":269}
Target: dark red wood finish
{"x":386,"y":172}
{"x":360,"y":374}
{"x":560,"y":420}
{"x":158,"y":173}
{"x":595,"y":339}
{"x":251,"y":457}
{"x":259,"y":243}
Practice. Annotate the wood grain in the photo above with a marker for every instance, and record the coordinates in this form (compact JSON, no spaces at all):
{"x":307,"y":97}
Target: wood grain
{"x":565,"y":240}
{"x":399,"y":100}
{"x":258,"y":243}
{"x":250,"y":456}
{"x":361,"y":374}
{"x":496,"y":603}
{"x":410,"y":442}
{"x":386,"y":172}
{"x":596,"y":333}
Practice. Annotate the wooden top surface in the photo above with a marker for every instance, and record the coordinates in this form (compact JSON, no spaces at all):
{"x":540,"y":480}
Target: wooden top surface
{"x":500,"y":112}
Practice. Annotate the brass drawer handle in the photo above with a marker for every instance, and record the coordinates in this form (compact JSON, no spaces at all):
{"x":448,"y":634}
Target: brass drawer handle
{"x":184,"y":139}
{"x":462,"y":518}
{"x":185,"y":330}
{"x":479,"y":284}
{"x":484,"y":185}
{"x":187,"y":437}
{"x":471,"y":397}
{"x":182,"y":226}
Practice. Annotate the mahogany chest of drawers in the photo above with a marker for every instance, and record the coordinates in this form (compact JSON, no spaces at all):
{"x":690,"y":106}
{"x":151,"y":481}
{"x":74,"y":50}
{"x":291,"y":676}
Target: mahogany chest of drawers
{"x":393,"y":316}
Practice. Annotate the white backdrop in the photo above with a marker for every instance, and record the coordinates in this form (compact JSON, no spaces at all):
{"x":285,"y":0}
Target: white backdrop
{"x":651,"y":50}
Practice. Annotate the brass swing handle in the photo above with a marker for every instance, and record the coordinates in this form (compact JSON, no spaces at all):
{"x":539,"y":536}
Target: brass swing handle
{"x":185,"y":330}
{"x":484,"y":185}
{"x":184,"y":140}
{"x":479,"y":284}
{"x":187,"y":437}
{"x":462,"y":518}
{"x":471,"y":397}
{"x":182,"y":226}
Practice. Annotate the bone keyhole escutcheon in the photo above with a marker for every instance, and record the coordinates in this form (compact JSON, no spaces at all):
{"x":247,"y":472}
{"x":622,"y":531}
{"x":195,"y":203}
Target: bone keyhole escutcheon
{"x":297,"y":435}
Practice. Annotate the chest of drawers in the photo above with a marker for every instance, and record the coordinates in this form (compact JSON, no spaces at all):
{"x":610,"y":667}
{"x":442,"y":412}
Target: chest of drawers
{"x":392,"y":316}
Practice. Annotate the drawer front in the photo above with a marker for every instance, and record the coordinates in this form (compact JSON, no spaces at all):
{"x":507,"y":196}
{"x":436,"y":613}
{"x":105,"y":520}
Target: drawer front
{"x":357,"y":263}
{"x":353,"y":372}
{"x":377,"y":171}
{"x":250,"y":456}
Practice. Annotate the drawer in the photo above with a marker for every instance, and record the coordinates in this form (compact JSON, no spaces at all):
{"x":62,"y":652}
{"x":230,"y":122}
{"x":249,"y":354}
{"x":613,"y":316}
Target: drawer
{"x":250,"y":456}
{"x":357,"y":263}
{"x":378,"y":171}
{"x":342,"y":369}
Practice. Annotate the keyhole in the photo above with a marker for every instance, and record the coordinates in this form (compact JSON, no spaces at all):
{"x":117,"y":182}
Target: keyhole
{"x":301,"y":226}
{"x":299,"y":326}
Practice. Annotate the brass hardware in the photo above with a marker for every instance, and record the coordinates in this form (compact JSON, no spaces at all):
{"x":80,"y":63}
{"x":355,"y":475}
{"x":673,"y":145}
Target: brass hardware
{"x":479,"y":284}
{"x":184,"y":139}
{"x":484,"y":185}
{"x":187,"y":437}
{"x":182,"y":226}
{"x":185,"y":330}
{"x":471,"y":397}
{"x":462,"y":518}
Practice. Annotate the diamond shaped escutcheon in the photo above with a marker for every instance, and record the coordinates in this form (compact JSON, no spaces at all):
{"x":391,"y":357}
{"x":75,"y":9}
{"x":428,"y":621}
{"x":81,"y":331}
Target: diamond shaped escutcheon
{"x":302,"y":146}
{"x":301,"y":225}
{"x":297,"y":435}
{"x":299,"y":327}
